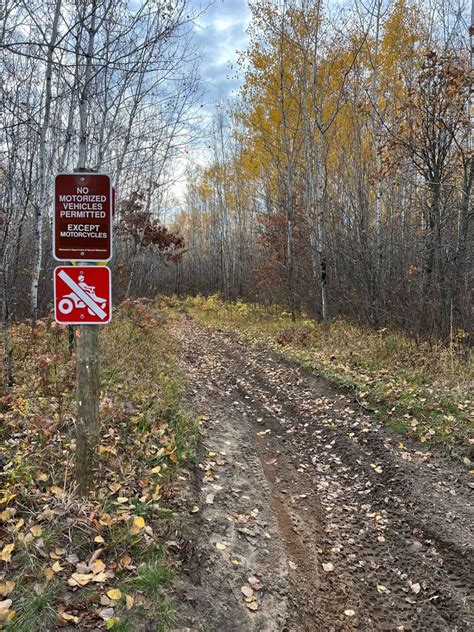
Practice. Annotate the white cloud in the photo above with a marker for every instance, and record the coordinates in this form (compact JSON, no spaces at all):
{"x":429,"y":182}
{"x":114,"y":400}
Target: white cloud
{"x":222,"y":24}
{"x":220,"y":32}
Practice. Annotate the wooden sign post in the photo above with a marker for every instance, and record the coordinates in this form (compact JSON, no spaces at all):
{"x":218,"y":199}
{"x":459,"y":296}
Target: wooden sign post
{"x":82,"y":231}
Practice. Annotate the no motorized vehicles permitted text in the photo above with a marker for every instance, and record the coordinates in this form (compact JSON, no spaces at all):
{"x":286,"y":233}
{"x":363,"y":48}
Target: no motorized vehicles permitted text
{"x":86,"y":197}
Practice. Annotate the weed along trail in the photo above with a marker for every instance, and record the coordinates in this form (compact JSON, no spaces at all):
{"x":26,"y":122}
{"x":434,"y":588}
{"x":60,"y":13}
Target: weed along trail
{"x":310,"y":515}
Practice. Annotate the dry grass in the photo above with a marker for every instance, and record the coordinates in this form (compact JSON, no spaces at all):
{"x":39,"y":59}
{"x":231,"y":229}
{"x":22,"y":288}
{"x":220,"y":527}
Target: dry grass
{"x":68,"y":553}
{"x":423,"y":389}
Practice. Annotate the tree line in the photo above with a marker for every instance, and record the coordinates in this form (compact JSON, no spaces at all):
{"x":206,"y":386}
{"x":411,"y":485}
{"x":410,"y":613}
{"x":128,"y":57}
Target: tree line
{"x":108,"y":85}
{"x":340,"y":181}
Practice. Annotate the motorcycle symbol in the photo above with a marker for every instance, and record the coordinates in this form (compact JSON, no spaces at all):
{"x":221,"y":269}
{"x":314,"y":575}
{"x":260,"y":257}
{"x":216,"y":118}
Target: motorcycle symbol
{"x":71,"y":300}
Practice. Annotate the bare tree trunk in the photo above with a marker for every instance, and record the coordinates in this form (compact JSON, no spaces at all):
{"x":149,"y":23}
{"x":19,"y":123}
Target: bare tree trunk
{"x":43,"y":195}
{"x":430,"y":265}
{"x":466,"y":214}
{"x":321,"y":233}
{"x":438,"y":243}
{"x":288,"y":180}
{"x":378,"y":252}
{"x":309,"y":108}
{"x":87,"y":371}
{"x":315,"y":132}
{"x":4,"y":301}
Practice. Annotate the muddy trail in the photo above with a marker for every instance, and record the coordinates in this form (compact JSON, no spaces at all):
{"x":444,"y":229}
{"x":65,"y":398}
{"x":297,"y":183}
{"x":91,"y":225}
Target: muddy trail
{"x":311,"y":515}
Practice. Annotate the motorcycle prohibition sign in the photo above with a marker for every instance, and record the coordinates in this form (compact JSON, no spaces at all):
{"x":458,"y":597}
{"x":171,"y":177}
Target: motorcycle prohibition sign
{"x":79,"y":302}
{"x":68,"y":302}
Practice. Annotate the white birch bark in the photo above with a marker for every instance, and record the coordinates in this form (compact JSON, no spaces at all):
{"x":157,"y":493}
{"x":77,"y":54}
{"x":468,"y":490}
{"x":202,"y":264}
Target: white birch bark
{"x":41,"y":208}
{"x":378,"y":253}
{"x":320,"y":219}
{"x":288,"y":178}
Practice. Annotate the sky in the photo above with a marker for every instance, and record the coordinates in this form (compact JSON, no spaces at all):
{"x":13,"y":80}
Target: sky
{"x":219,"y":33}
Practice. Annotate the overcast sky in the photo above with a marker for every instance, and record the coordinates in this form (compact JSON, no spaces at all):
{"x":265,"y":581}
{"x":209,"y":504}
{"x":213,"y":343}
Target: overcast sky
{"x":220,"y":33}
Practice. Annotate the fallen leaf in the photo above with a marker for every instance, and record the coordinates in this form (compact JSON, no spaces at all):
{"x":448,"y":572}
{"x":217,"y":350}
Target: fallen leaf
{"x":57,"y":491}
{"x":99,"y":539}
{"x":48,"y":573}
{"x":5,"y":609}
{"x":328,"y":567}
{"x":6,"y":554}
{"x":6,"y":588}
{"x":114,"y":593}
{"x":349,"y":613}
{"x":210,"y":499}
{"x":377,"y":468}
{"x":80,"y":579}
{"x":6,"y":514}
{"x":97,"y":566}
{"x":129,"y":600}
{"x":383,"y":589}
{"x":100,"y":578}
{"x":149,"y":530}
{"x":6,"y":499}
{"x":125,"y":560}
{"x":220,"y":546}
{"x":36,"y":530}
{"x":138,"y":525}
{"x":106,"y":613}
{"x":82,"y":567}
{"x":69,"y":617}
{"x":97,"y":553}
{"x":139,"y":522}
{"x":247,"y":591}
{"x":56,"y":567}
{"x":415,"y":588}
{"x":255,"y":583}
{"x":292,"y":565}
{"x":252,"y":605}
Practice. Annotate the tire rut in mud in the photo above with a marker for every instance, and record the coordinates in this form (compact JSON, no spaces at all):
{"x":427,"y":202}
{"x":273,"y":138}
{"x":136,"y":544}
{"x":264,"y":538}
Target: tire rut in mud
{"x":390,"y":520}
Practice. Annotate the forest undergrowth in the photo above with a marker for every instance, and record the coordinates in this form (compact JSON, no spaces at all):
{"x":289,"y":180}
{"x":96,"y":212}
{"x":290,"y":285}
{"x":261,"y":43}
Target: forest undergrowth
{"x":423,"y":389}
{"x":101,"y":562}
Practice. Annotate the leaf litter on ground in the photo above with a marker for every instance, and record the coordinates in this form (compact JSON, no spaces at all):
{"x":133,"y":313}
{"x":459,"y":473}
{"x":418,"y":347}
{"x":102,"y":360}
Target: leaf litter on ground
{"x":48,"y":534}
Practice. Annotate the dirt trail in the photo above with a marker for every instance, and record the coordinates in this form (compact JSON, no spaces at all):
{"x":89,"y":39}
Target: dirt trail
{"x":345,"y":524}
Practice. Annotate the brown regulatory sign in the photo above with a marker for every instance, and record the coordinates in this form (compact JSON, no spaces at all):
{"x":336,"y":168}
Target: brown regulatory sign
{"x":82,"y":217}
